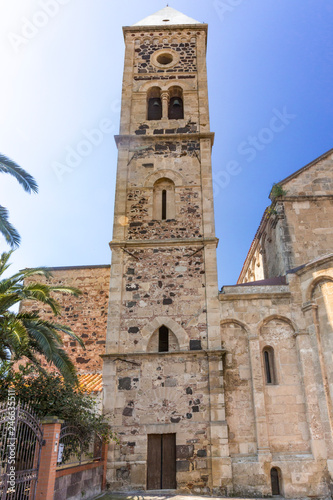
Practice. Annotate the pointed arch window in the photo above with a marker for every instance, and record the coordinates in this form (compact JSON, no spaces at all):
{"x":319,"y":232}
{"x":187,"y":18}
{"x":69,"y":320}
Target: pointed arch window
{"x":163,"y":339}
{"x":269,"y":365}
{"x":154,"y":104}
{"x":164,"y":200}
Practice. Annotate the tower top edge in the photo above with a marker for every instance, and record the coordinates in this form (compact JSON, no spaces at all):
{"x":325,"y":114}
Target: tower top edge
{"x":167,"y":17}
{"x":157,"y":27}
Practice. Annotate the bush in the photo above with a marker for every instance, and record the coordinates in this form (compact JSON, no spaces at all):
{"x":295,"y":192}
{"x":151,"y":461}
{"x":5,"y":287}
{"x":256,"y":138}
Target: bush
{"x":50,"y":395}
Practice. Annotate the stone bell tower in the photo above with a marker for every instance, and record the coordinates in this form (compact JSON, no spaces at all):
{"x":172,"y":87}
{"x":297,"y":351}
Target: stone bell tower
{"x":163,"y":363}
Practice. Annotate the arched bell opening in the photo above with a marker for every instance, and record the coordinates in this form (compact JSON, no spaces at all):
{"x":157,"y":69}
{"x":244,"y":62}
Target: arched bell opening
{"x":154,"y":104}
{"x":176,"y":104}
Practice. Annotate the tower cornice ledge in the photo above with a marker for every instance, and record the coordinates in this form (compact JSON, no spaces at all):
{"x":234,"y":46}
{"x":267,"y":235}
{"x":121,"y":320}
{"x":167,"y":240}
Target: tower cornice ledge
{"x":169,"y":137}
{"x":167,"y":242}
{"x":165,"y":27}
{"x":201,"y":352}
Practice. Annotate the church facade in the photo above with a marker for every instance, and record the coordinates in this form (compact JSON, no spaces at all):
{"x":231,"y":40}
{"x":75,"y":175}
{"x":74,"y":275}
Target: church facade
{"x":212,"y":392}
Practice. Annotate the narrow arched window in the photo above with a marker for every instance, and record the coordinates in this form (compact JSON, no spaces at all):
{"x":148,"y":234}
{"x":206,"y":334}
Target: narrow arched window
{"x":154,"y":104}
{"x":275,"y":481}
{"x":163,"y":339}
{"x":164,"y":204}
{"x":176,"y":104}
{"x":164,"y":200}
{"x":269,"y":365}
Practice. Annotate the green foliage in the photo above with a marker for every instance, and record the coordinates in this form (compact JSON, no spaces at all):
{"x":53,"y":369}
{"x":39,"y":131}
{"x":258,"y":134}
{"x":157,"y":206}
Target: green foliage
{"x":8,"y":166}
{"x":50,"y":395}
{"x":25,"y":334}
{"x":270,"y":211}
{"x":277,"y":190}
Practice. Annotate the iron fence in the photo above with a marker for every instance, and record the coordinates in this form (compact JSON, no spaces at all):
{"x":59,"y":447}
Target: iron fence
{"x":74,"y":450}
{"x":21,"y":438}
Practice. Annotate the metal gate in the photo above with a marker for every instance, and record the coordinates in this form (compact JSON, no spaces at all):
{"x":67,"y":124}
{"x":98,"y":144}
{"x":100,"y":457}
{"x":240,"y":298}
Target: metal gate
{"x":21,"y":437}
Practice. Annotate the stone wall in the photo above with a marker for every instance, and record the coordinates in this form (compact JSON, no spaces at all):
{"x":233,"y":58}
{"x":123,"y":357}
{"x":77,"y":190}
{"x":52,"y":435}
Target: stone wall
{"x":155,"y":288}
{"x":85,"y":314}
{"x":184,"y":45}
{"x":79,"y":485}
{"x":160,"y":393}
{"x":286,"y":423}
{"x":310,"y":225}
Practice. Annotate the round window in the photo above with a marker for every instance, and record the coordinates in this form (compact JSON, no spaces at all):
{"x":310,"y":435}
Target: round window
{"x":164,"y":58}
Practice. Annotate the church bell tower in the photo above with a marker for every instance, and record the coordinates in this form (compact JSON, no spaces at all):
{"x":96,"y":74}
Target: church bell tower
{"x":163,"y":385}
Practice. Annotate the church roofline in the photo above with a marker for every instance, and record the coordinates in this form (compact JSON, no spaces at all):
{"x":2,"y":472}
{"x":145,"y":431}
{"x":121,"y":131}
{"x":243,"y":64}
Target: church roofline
{"x":67,"y":268}
{"x":306,"y":167}
{"x":266,"y":217}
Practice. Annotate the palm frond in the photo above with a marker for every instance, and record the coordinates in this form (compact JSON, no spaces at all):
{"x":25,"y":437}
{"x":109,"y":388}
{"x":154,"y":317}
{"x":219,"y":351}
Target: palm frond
{"x":66,"y":289}
{"x":26,"y":273}
{"x":25,"y":334}
{"x":13,"y":335}
{"x":46,"y":341}
{"x":64,"y":364}
{"x":7,"y":229}
{"x":4,"y":261}
{"x":7,"y":301}
{"x":8,"y":166}
{"x":40,"y":293}
{"x":69,"y":331}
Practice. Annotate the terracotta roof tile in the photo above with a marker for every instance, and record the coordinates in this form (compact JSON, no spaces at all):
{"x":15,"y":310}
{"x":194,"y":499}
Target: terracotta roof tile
{"x":91,"y":382}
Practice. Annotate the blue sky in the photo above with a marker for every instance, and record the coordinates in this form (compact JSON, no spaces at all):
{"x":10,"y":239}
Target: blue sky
{"x":270,"y":90}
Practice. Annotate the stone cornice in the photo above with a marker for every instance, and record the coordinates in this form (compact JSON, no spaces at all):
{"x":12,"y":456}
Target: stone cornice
{"x":174,"y":27}
{"x":301,"y":333}
{"x":324,"y":259}
{"x":201,"y":353}
{"x":167,"y":137}
{"x":309,"y":306}
{"x":305,"y":197}
{"x":162,"y":243}
{"x":254,"y":295}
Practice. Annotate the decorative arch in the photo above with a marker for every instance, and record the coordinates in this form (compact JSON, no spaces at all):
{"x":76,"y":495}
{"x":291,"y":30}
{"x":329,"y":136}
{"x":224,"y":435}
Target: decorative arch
{"x":313,"y":285}
{"x":279,"y":318}
{"x":165,"y":86}
{"x":235,"y":321}
{"x":175,"y":177}
{"x":177,"y":330}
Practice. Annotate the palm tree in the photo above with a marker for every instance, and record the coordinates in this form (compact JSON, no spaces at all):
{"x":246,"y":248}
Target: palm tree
{"x":25,"y":334}
{"x":29,"y":185}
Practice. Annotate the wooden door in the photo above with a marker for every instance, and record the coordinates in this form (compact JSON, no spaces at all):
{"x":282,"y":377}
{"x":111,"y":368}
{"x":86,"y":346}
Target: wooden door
{"x":168,"y":461}
{"x":161,"y":462}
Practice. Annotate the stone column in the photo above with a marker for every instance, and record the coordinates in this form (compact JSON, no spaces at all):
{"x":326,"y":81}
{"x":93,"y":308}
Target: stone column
{"x":165,"y":104}
{"x":105,"y":463}
{"x":220,"y":459}
{"x":314,"y":387}
{"x":48,"y":459}
{"x":263,"y":447}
